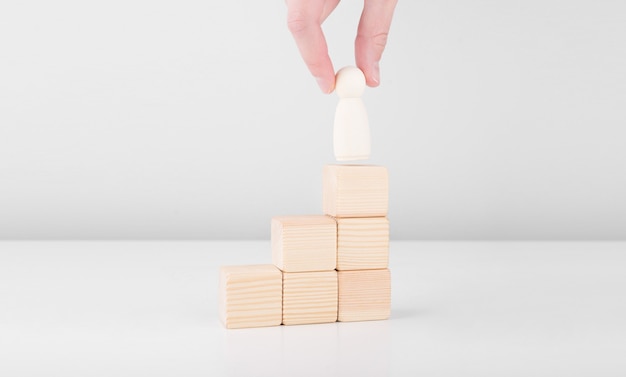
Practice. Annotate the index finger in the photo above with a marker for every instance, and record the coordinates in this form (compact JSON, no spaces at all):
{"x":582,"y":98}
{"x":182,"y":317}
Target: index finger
{"x":303,"y":20}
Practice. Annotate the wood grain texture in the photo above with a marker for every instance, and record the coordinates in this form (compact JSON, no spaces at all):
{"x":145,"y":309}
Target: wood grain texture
{"x":309,"y":297}
{"x":304,"y":243}
{"x":362,"y":243}
{"x":355,"y":191}
{"x":250,"y":296}
{"x":364,"y":295}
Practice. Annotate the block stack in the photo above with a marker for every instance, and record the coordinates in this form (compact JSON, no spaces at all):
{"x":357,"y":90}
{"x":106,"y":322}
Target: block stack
{"x":325,"y":267}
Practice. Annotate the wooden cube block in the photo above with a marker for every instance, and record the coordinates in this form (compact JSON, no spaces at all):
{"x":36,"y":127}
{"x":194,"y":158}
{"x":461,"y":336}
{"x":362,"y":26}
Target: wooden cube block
{"x":364,"y":295}
{"x":362,"y":243}
{"x":309,"y":297}
{"x":304,"y":243}
{"x":355,"y":191}
{"x":250,"y":296}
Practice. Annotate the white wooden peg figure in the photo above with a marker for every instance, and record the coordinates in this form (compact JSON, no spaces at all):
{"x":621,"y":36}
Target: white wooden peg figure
{"x":351,"y":133}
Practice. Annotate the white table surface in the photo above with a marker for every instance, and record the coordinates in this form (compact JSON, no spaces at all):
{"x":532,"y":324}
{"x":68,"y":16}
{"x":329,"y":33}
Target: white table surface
{"x":458,"y":309}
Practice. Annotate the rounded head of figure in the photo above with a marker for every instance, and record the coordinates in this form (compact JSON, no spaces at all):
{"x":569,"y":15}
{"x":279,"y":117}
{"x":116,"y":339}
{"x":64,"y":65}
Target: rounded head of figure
{"x":349,"y":82}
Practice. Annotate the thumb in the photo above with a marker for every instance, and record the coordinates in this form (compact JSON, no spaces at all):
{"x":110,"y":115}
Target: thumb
{"x":371,"y":37}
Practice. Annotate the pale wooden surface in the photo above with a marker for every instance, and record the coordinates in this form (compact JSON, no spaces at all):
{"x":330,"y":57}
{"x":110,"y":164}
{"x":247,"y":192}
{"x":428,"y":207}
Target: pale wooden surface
{"x":304,"y":243}
{"x":364,"y":295}
{"x":362,"y":243}
{"x":250,"y":296}
{"x":355,"y":190}
{"x":309,"y":297}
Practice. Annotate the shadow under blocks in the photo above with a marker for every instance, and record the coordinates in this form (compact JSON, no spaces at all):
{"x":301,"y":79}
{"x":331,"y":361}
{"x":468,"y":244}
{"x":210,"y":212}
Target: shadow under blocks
{"x":326,"y":268}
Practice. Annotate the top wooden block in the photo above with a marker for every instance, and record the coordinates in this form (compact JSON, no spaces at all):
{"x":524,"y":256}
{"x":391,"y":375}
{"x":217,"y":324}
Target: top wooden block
{"x":355,"y":190}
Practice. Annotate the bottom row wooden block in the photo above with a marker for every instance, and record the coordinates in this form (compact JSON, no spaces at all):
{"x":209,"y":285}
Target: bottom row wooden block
{"x":364,"y":295}
{"x":251,"y":296}
{"x":309,"y":297}
{"x":262,"y":295}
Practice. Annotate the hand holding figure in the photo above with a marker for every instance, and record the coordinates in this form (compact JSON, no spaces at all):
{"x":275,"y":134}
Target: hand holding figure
{"x":305,"y":18}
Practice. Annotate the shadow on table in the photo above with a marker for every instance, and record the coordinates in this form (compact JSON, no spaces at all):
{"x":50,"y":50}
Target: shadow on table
{"x":350,"y":348}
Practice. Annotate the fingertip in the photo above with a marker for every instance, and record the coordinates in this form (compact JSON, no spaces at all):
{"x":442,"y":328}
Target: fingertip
{"x":332,"y":87}
{"x":372,"y":83}
{"x":372,"y":74}
{"x":326,"y":84}
{"x":374,"y":77}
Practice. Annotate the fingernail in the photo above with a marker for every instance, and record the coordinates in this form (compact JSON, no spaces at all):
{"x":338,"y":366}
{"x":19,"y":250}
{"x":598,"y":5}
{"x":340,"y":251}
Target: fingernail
{"x":376,"y":73}
{"x":325,"y":85}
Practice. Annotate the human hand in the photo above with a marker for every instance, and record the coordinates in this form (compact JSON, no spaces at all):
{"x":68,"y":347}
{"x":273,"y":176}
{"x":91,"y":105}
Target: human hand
{"x":304,"y":19}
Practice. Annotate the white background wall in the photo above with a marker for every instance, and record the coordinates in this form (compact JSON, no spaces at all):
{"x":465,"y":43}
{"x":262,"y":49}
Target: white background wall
{"x":198,"y":119}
